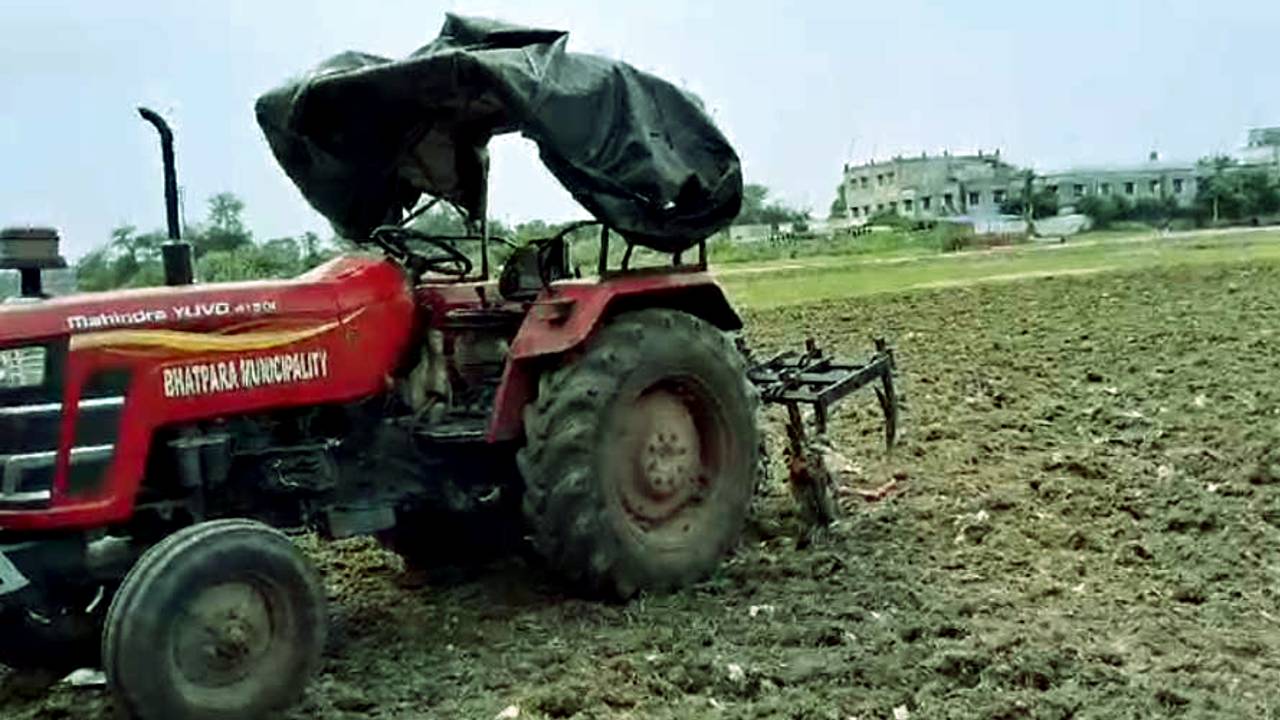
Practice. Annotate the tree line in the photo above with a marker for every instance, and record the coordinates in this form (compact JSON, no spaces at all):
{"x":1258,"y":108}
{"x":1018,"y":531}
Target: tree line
{"x":759,"y":208}
{"x":226,"y":249}
{"x":1226,"y":192}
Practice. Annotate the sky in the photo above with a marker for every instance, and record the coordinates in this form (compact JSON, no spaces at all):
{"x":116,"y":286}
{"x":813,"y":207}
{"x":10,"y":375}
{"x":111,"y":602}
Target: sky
{"x":799,"y":88}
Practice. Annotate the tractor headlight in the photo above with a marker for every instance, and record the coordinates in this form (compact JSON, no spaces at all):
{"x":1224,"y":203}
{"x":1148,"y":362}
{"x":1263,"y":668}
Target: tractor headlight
{"x":22,"y":367}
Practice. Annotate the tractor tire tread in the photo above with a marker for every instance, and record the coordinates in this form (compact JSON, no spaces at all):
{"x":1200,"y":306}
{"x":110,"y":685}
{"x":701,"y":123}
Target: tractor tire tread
{"x":562,"y":504}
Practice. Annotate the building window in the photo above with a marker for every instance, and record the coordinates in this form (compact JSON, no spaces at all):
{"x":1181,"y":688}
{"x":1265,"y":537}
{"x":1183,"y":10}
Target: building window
{"x":879,"y":207}
{"x":854,"y":212}
{"x":947,"y":200}
{"x":1155,"y":187}
{"x":888,"y":177}
{"x":1105,"y":188}
{"x":1177,"y":186}
{"x":867,"y":211}
{"x":975,"y":198}
{"x":1078,"y":189}
{"x":880,"y":180}
{"x":925,"y":202}
{"x":908,"y":205}
{"x":863,"y":181}
{"x":1053,"y":189}
{"x":997,"y":197}
{"x":1128,"y":188}
{"x":893,"y":206}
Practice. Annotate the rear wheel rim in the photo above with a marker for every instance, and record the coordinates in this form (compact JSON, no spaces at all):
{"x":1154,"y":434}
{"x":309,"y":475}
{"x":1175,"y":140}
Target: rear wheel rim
{"x":225,"y":635}
{"x":671,"y":462}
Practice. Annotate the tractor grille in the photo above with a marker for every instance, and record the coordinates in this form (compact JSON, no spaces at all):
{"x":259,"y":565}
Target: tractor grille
{"x":30,"y":435}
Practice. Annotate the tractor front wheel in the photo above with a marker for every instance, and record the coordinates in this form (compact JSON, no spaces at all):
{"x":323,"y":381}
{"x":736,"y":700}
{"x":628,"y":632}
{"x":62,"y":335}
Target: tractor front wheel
{"x":222,"y":620}
{"x":641,"y":455}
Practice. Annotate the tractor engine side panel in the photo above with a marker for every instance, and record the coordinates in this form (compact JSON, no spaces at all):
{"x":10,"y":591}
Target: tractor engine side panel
{"x":165,"y":378}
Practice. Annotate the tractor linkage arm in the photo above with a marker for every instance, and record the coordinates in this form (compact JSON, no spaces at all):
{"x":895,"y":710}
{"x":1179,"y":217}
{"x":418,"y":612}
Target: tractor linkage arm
{"x":812,"y":378}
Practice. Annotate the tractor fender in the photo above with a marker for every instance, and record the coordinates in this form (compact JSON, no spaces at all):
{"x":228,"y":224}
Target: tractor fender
{"x":568,"y":315}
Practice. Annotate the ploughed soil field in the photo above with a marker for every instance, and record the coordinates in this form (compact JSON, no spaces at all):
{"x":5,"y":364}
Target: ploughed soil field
{"x":1084,"y":522}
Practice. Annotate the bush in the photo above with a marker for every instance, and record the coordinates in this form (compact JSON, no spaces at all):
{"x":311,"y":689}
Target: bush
{"x":889,"y":218}
{"x":952,"y":237}
{"x":1105,"y":211}
{"x":1228,"y":191}
{"x":1153,"y":210}
{"x":1043,"y":204}
{"x":1116,"y":212}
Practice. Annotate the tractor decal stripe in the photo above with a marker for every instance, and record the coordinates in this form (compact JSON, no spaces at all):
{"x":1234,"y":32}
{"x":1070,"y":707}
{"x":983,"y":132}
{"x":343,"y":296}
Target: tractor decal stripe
{"x":195,"y":342}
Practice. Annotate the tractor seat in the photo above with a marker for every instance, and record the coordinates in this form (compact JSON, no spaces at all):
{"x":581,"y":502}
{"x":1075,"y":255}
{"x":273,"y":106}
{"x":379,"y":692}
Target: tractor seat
{"x":532,"y":267}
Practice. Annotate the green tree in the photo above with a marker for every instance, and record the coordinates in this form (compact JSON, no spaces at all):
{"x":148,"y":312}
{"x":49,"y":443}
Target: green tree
{"x":1227,"y":191}
{"x":224,"y":230}
{"x":839,"y":206}
{"x":532,"y":230}
{"x":225,"y":251}
{"x":1105,"y":210}
{"x":313,"y":252}
{"x":283,"y":257}
{"x":1217,"y":194}
{"x":1044,"y":203}
{"x":1152,"y":209}
{"x":757,"y":209}
{"x":129,"y":259}
{"x":442,"y":219}
{"x":1261,"y":192}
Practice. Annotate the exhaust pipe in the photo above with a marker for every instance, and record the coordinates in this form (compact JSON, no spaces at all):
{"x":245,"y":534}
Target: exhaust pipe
{"x":176,"y":254}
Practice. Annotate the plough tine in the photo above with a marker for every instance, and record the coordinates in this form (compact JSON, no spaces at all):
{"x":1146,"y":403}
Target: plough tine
{"x":888,"y":398}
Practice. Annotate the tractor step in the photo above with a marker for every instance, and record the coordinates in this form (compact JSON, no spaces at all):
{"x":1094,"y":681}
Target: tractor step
{"x":458,"y":428}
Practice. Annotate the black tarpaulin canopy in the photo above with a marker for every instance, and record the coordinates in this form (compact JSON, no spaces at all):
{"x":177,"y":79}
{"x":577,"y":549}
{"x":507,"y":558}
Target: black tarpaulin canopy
{"x":363,"y":137}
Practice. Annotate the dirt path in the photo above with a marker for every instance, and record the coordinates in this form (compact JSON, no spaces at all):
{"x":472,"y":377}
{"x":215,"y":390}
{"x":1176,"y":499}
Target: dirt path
{"x":1009,"y":277}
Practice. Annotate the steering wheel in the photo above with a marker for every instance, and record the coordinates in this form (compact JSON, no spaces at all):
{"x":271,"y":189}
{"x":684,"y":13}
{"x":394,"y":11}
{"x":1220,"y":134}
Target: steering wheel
{"x":394,"y":238}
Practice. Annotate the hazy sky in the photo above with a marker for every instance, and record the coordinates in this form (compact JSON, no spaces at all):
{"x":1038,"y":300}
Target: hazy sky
{"x":799,"y":88}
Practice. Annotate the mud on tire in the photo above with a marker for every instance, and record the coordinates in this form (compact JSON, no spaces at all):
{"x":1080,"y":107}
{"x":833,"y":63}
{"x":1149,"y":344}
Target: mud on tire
{"x":642,"y":456}
{"x":221,"y":620}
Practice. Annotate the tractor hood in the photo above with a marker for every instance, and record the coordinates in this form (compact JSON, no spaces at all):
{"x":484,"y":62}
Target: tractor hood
{"x":331,"y":290}
{"x":364,"y":137}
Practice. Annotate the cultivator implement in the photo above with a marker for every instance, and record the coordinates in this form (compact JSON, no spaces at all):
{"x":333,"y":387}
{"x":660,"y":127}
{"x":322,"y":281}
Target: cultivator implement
{"x":813,"y":379}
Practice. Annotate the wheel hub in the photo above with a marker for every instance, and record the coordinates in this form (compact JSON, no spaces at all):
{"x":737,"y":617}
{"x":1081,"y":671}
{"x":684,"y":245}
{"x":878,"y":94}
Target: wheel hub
{"x":665,"y":472}
{"x":223,"y":634}
{"x":668,"y":464}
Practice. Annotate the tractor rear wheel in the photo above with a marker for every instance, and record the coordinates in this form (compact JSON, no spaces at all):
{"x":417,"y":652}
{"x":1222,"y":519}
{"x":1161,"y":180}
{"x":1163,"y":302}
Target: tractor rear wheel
{"x":221,"y":620}
{"x":641,"y":455}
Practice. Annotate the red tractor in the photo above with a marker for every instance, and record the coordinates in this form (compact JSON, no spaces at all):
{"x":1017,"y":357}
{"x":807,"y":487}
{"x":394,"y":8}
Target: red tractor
{"x":158,"y":446}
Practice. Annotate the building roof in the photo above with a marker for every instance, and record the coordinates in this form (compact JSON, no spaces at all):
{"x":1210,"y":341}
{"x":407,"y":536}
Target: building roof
{"x":1149,"y":166}
{"x":900,"y":159}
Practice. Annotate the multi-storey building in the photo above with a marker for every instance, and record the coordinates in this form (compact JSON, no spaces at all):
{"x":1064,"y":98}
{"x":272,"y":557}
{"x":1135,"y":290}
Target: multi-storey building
{"x":930,"y":186}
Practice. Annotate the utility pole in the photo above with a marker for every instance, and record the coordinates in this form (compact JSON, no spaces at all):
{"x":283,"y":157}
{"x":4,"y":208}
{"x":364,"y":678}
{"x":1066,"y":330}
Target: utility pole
{"x":1027,"y":196}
